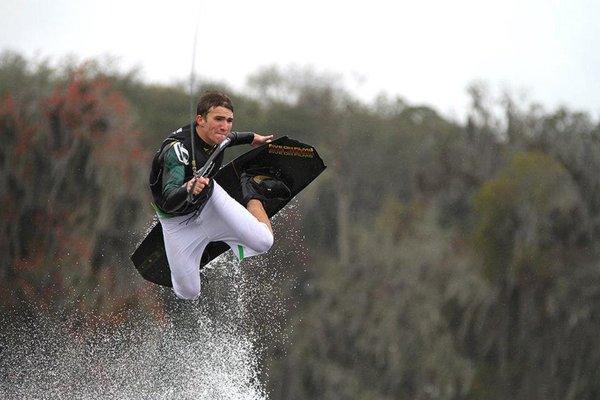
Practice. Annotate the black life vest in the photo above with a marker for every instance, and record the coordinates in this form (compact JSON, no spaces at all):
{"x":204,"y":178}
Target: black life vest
{"x":203,"y":151}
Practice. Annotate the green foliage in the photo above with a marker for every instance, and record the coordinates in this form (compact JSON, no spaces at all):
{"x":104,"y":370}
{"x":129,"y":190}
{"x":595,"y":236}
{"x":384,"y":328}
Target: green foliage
{"x":432,"y":260}
{"x":522,"y":217}
{"x":377,"y":328}
{"x":531,"y":230}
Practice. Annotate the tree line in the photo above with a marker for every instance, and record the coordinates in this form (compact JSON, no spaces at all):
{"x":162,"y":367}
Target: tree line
{"x":440,"y":259}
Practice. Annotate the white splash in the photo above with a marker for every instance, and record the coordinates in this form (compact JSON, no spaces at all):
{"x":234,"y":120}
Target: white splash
{"x":200,"y":350}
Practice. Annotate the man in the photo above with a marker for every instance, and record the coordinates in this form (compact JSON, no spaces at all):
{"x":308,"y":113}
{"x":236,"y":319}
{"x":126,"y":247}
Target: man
{"x":195,"y":211}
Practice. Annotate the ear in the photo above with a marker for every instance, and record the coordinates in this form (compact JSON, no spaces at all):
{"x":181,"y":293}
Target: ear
{"x":200,"y":120}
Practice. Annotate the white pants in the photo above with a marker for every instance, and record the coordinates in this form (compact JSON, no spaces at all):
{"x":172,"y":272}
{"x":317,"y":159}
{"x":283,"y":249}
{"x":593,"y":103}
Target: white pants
{"x":222,"y":219}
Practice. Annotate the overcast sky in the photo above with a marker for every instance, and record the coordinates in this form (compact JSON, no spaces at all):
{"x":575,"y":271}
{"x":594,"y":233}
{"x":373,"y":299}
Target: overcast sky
{"x":426,"y":51}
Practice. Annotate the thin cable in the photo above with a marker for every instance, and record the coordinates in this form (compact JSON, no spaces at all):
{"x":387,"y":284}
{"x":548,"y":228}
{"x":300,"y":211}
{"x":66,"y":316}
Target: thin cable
{"x":192,"y":111}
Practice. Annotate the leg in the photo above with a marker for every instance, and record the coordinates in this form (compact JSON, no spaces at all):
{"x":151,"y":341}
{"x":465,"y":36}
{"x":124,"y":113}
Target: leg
{"x":231,"y":223}
{"x":184,"y":244}
{"x":256,"y":208}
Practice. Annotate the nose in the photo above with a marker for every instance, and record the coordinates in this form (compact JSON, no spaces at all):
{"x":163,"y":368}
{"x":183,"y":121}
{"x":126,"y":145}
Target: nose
{"x":224,"y":126}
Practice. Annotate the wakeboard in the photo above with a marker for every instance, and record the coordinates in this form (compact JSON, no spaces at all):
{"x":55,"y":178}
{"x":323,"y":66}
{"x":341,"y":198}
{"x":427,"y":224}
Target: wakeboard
{"x":298,"y":165}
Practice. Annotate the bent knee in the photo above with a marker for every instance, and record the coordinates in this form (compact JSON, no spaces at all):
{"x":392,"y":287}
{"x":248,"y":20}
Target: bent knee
{"x":264,"y":242}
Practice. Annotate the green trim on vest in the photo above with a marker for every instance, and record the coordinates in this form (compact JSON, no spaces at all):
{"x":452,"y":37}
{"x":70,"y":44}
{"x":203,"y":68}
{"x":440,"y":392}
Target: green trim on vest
{"x":160,"y":212}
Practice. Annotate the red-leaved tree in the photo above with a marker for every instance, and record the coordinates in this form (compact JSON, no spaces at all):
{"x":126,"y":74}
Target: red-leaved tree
{"x":73,"y":201}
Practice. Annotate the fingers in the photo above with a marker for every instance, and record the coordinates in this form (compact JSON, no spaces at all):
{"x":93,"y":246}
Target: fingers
{"x":261,"y":139}
{"x":196,"y":185}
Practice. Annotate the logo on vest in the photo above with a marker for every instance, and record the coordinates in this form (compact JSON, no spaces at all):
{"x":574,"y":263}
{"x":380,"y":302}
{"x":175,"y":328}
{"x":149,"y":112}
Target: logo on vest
{"x":182,"y":154}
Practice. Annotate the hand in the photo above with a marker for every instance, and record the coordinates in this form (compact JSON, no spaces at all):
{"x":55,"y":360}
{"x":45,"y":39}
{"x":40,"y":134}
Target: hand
{"x":196,"y":184}
{"x":260,"y":139}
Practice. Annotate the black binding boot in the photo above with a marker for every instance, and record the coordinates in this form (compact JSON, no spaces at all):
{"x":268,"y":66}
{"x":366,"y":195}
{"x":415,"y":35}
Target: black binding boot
{"x":263,"y":185}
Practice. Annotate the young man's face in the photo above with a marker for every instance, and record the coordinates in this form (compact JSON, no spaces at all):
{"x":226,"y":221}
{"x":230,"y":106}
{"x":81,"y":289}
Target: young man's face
{"x":217,"y":124}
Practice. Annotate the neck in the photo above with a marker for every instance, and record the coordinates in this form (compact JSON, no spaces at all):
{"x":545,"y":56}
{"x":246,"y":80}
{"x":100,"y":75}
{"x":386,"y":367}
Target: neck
{"x":202,"y":135}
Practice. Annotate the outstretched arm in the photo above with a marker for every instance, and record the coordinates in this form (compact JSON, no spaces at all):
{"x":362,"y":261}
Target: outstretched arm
{"x":260,"y":139}
{"x":251,"y":138}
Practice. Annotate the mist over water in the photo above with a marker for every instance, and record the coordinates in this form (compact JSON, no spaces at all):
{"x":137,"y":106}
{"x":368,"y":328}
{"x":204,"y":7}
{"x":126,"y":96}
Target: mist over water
{"x":199,"y":350}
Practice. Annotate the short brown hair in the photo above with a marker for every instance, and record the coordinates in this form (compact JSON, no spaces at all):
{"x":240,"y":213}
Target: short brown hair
{"x":213,"y":99}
